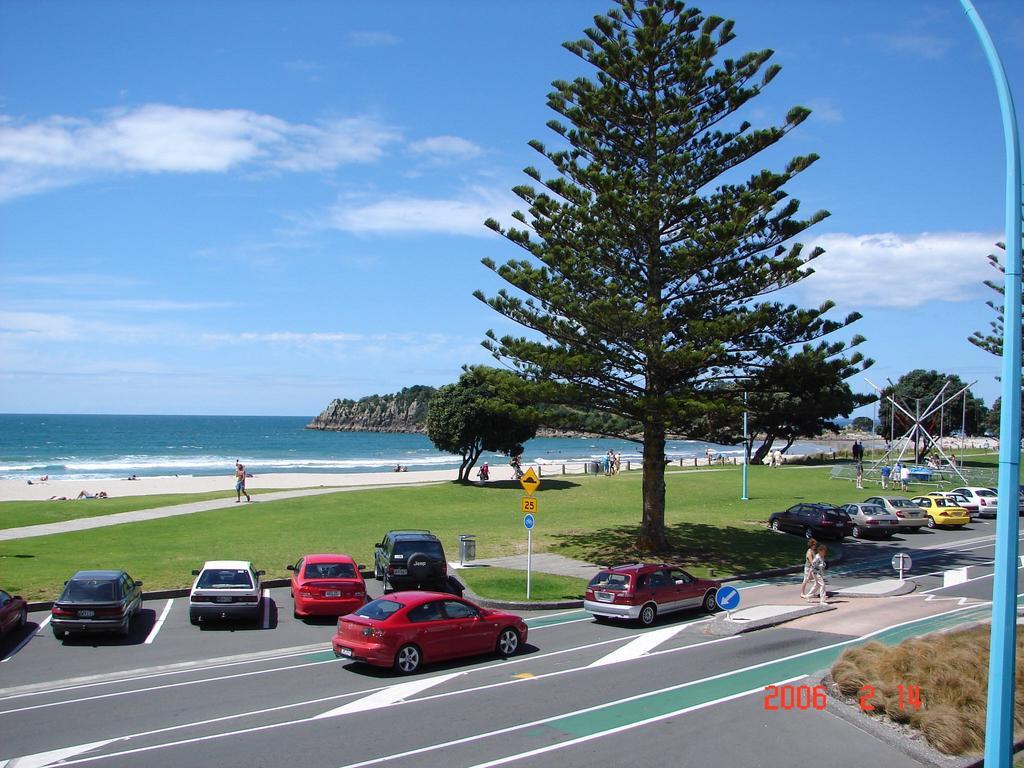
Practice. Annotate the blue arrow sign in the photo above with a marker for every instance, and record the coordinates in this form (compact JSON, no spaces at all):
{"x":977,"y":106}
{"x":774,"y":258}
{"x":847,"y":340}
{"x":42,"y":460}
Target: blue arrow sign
{"x":728,"y":598}
{"x":528,"y":522}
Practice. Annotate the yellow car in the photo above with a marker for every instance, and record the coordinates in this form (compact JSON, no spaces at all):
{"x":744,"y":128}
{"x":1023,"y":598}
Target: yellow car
{"x":942,"y":512}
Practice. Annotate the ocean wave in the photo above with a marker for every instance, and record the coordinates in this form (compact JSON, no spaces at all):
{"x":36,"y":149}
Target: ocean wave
{"x":21,"y":467}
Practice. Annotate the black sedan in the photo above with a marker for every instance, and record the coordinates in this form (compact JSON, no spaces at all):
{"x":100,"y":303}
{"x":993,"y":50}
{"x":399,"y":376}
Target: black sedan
{"x":818,"y":520}
{"x":97,"y":601}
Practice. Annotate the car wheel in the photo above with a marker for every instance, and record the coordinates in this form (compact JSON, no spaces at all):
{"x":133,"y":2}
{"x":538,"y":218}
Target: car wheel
{"x":378,"y":572}
{"x":648,"y":614}
{"x":193,"y":620}
{"x":386,"y":584}
{"x":508,"y":642}
{"x":709,"y":602}
{"x":931,"y":522}
{"x":22,"y":619}
{"x":59,"y":634}
{"x":602,"y":619}
{"x":856,"y":532}
{"x":808,"y":533}
{"x":408,"y":659}
{"x":775,"y":526}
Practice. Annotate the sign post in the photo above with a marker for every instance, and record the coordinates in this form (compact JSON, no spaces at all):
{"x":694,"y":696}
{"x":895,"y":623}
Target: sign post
{"x":901,"y":562}
{"x":728,"y":599}
{"x":530,"y":483}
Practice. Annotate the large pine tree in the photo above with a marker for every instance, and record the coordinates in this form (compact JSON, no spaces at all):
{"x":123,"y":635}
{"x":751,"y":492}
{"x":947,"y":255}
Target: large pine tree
{"x":652,"y":256}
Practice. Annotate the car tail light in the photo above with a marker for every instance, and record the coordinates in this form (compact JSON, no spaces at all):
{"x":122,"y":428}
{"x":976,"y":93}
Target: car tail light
{"x":391,"y":570}
{"x":900,"y":513}
{"x":305,"y":593}
{"x":358,"y":594}
{"x":109,"y":612}
{"x":982,"y":502}
{"x":201,"y":599}
{"x":943,"y":514}
{"x":58,"y":611}
{"x":872,"y":522}
{"x":247,"y":599}
{"x":826,"y":522}
{"x":371,"y":632}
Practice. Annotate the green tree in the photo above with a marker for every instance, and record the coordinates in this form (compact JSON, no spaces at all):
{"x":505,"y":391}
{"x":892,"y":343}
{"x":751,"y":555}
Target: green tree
{"x":797,"y":396}
{"x":472,"y":416}
{"x":925,"y":385}
{"x":651,"y":256}
{"x":993,"y":341}
{"x":863,"y":424}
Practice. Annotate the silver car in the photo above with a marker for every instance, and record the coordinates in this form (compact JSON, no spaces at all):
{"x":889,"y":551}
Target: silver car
{"x":872,"y":521}
{"x":911,"y":516}
{"x":986,"y":499}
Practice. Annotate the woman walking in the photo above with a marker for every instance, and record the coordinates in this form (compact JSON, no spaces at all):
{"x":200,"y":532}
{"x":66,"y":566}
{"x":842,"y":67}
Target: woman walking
{"x":818,"y":571}
{"x":812,"y":547}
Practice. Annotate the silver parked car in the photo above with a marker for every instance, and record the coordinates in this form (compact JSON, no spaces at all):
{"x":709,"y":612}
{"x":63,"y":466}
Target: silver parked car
{"x":872,"y":521}
{"x":912,"y":517}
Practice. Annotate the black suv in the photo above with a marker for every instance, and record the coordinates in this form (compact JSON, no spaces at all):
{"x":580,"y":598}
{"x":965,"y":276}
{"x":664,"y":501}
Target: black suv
{"x":411,"y":560}
{"x":813,"y":520}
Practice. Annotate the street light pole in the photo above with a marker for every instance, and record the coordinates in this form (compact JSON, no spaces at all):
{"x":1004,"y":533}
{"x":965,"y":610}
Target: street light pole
{"x":746,"y":449}
{"x":1002,"y":657}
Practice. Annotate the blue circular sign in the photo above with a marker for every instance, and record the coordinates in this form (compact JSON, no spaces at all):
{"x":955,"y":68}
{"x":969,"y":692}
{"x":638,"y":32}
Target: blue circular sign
{"x":728,"y":598}
{"x":528,"y":522}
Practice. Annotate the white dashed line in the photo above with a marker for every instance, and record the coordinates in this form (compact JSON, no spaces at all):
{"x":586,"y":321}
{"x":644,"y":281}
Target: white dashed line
{"x":159,"y":623}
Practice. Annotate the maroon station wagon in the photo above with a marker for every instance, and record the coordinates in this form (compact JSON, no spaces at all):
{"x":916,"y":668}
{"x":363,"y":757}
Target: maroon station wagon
{"x":641,"y":591}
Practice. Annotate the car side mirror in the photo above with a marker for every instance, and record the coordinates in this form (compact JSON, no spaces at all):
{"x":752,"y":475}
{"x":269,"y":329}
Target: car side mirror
{"x":680,"y":581}
{"x":261,"y":573}
{"x":138,"y":583}
{"x":195,"y":572}
{"x":66,"y":581}
{"x":360,"y":567}
{"x":290,"y":567}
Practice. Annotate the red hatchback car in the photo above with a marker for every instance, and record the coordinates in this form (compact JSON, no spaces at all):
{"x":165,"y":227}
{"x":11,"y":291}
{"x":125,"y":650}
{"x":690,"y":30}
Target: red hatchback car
{"x":13,"y":612}
{"x":405,"y":629}
{"x":326,"y":585}
{"x":641,"y":591}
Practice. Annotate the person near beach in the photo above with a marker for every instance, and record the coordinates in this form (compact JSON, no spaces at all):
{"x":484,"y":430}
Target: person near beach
{"x":778,"y":458}
{"x":484,"y":473}
{"x":240,"y":482}
{"x":812,"y":548}
{"x":858,"y":451}
{"x":860,"y":474}
{"x":904,"y":477}
{"x":885,"y":471}
{"x":818,"y":566}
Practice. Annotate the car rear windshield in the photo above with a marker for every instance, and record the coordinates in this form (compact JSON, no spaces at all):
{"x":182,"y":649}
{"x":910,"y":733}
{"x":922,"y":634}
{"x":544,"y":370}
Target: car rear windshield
{"x":406,"y":549}
{"x":835,"y":513}
{"x":379,"y":609}
{"x":91,"y":591}
{"x":613,"y":582}
{"x":329,"y":571}
{"x":871,"y":510}
{"x":902,"y":503}
{"x":227,"y":578}
{"x":988,"y":494}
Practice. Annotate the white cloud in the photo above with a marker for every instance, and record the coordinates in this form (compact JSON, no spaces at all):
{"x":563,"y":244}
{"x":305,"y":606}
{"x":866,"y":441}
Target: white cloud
{"x":825,"y":111}
{"x":160,"y":138}
{"x":930,"y":47}
{"x":445,"y":148}
{"x":36,"y":326}
{"x":891,"y":270}
{"x":459,"y":216}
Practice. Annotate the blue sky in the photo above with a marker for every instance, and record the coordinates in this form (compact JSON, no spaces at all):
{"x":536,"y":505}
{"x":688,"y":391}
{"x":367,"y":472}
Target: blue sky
{"x":253,"y":208}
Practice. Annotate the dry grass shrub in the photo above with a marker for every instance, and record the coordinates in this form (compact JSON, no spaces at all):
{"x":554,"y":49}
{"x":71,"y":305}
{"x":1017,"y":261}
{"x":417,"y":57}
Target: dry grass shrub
{"x":951,"y":669}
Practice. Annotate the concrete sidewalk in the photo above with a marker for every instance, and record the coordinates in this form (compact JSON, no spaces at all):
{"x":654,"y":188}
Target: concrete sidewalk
{"x":541,"y":563}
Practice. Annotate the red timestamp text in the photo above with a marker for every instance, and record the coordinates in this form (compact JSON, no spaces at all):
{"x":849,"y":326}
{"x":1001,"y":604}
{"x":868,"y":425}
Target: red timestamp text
{"x":786,"y":697}
{"x":910,"y":697}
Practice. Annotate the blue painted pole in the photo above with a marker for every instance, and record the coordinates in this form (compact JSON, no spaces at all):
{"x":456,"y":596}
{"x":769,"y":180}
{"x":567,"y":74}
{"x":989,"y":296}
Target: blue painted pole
{"x":746,"y":449}
{"x":1002,"y":659}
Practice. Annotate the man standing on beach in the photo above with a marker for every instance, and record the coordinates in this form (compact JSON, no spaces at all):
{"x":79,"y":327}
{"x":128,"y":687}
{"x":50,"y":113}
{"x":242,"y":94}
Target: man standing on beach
{"x":240,"y":482}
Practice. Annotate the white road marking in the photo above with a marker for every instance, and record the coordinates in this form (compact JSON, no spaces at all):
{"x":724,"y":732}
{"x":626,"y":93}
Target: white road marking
{"x":159,"y":624}
{"x":965,"y":581}
{"x":43,"y":623}
{"x":41,"y":759}
{"x":17,"y":648}
{"x":390,"y":695}
{"x":641,"y":646}
{"x":266,"y":610}
{"x":630,"y":726}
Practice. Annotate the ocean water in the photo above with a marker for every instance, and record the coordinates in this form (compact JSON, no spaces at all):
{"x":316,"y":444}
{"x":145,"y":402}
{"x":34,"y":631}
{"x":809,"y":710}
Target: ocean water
{"x":73,"y":447}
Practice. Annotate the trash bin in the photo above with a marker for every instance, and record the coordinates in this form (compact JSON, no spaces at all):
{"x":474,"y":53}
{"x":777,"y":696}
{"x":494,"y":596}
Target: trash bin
{"x":596,"y":468}
{"x":467,"y":548}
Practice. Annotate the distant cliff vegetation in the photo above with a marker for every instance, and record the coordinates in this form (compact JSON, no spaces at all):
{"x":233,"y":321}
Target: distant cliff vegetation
{"x":406,"y":411}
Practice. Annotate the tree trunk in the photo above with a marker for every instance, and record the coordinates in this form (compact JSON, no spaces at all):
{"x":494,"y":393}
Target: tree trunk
{"x":762,"y":450}
{"x":652,"y":530}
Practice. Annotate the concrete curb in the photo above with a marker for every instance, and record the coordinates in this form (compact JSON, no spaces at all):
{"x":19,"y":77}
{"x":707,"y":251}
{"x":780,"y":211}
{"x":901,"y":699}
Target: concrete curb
{"x":905,"y":589}
{"x":722,"y":626}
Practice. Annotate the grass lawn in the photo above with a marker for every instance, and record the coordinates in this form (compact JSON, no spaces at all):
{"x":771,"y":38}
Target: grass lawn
{"x":510,"y":584}
{"x":14,"y":514}
{"x":588,"y":517}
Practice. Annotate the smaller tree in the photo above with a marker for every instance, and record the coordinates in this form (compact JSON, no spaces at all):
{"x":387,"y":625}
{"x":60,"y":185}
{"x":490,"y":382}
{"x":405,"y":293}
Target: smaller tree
{"x":925,"y":385}
{"x":475,"y":415}
{"x":863,"y":424}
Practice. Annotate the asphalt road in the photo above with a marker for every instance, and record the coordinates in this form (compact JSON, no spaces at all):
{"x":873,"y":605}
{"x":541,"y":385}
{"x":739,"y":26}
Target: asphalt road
{"x":580,"y":694}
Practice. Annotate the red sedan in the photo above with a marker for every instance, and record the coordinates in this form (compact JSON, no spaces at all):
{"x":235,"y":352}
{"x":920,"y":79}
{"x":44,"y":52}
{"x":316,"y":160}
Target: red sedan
{"x":326,"y":585}
{"x":405,"y":629}
{"x":13,"y":613}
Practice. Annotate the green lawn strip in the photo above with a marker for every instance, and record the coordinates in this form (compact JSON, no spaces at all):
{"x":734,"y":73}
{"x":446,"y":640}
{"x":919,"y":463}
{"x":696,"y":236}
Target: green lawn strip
{"x":16,"y":514}
{"x":591,"y":518}
{"x":510,"y":584}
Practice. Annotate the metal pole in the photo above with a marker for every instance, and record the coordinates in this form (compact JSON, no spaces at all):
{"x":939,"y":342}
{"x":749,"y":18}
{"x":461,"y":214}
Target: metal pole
{"x":746,"y":448}
{"x":1002,"y":657}
{"x":529,"y":559}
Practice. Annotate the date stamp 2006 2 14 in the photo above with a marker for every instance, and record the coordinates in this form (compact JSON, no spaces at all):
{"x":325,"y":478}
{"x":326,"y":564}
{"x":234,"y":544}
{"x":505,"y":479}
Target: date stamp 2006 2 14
{"x":787,"y":697}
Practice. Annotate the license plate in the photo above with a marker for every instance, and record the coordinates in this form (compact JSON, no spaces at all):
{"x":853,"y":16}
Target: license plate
{"x":604,"y":597}
{"x":86,"y":614}
{"x":332,"y":593}
{"x":226,"y":599}
{"x":346,"y":651}
{"x":401,"y":572}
